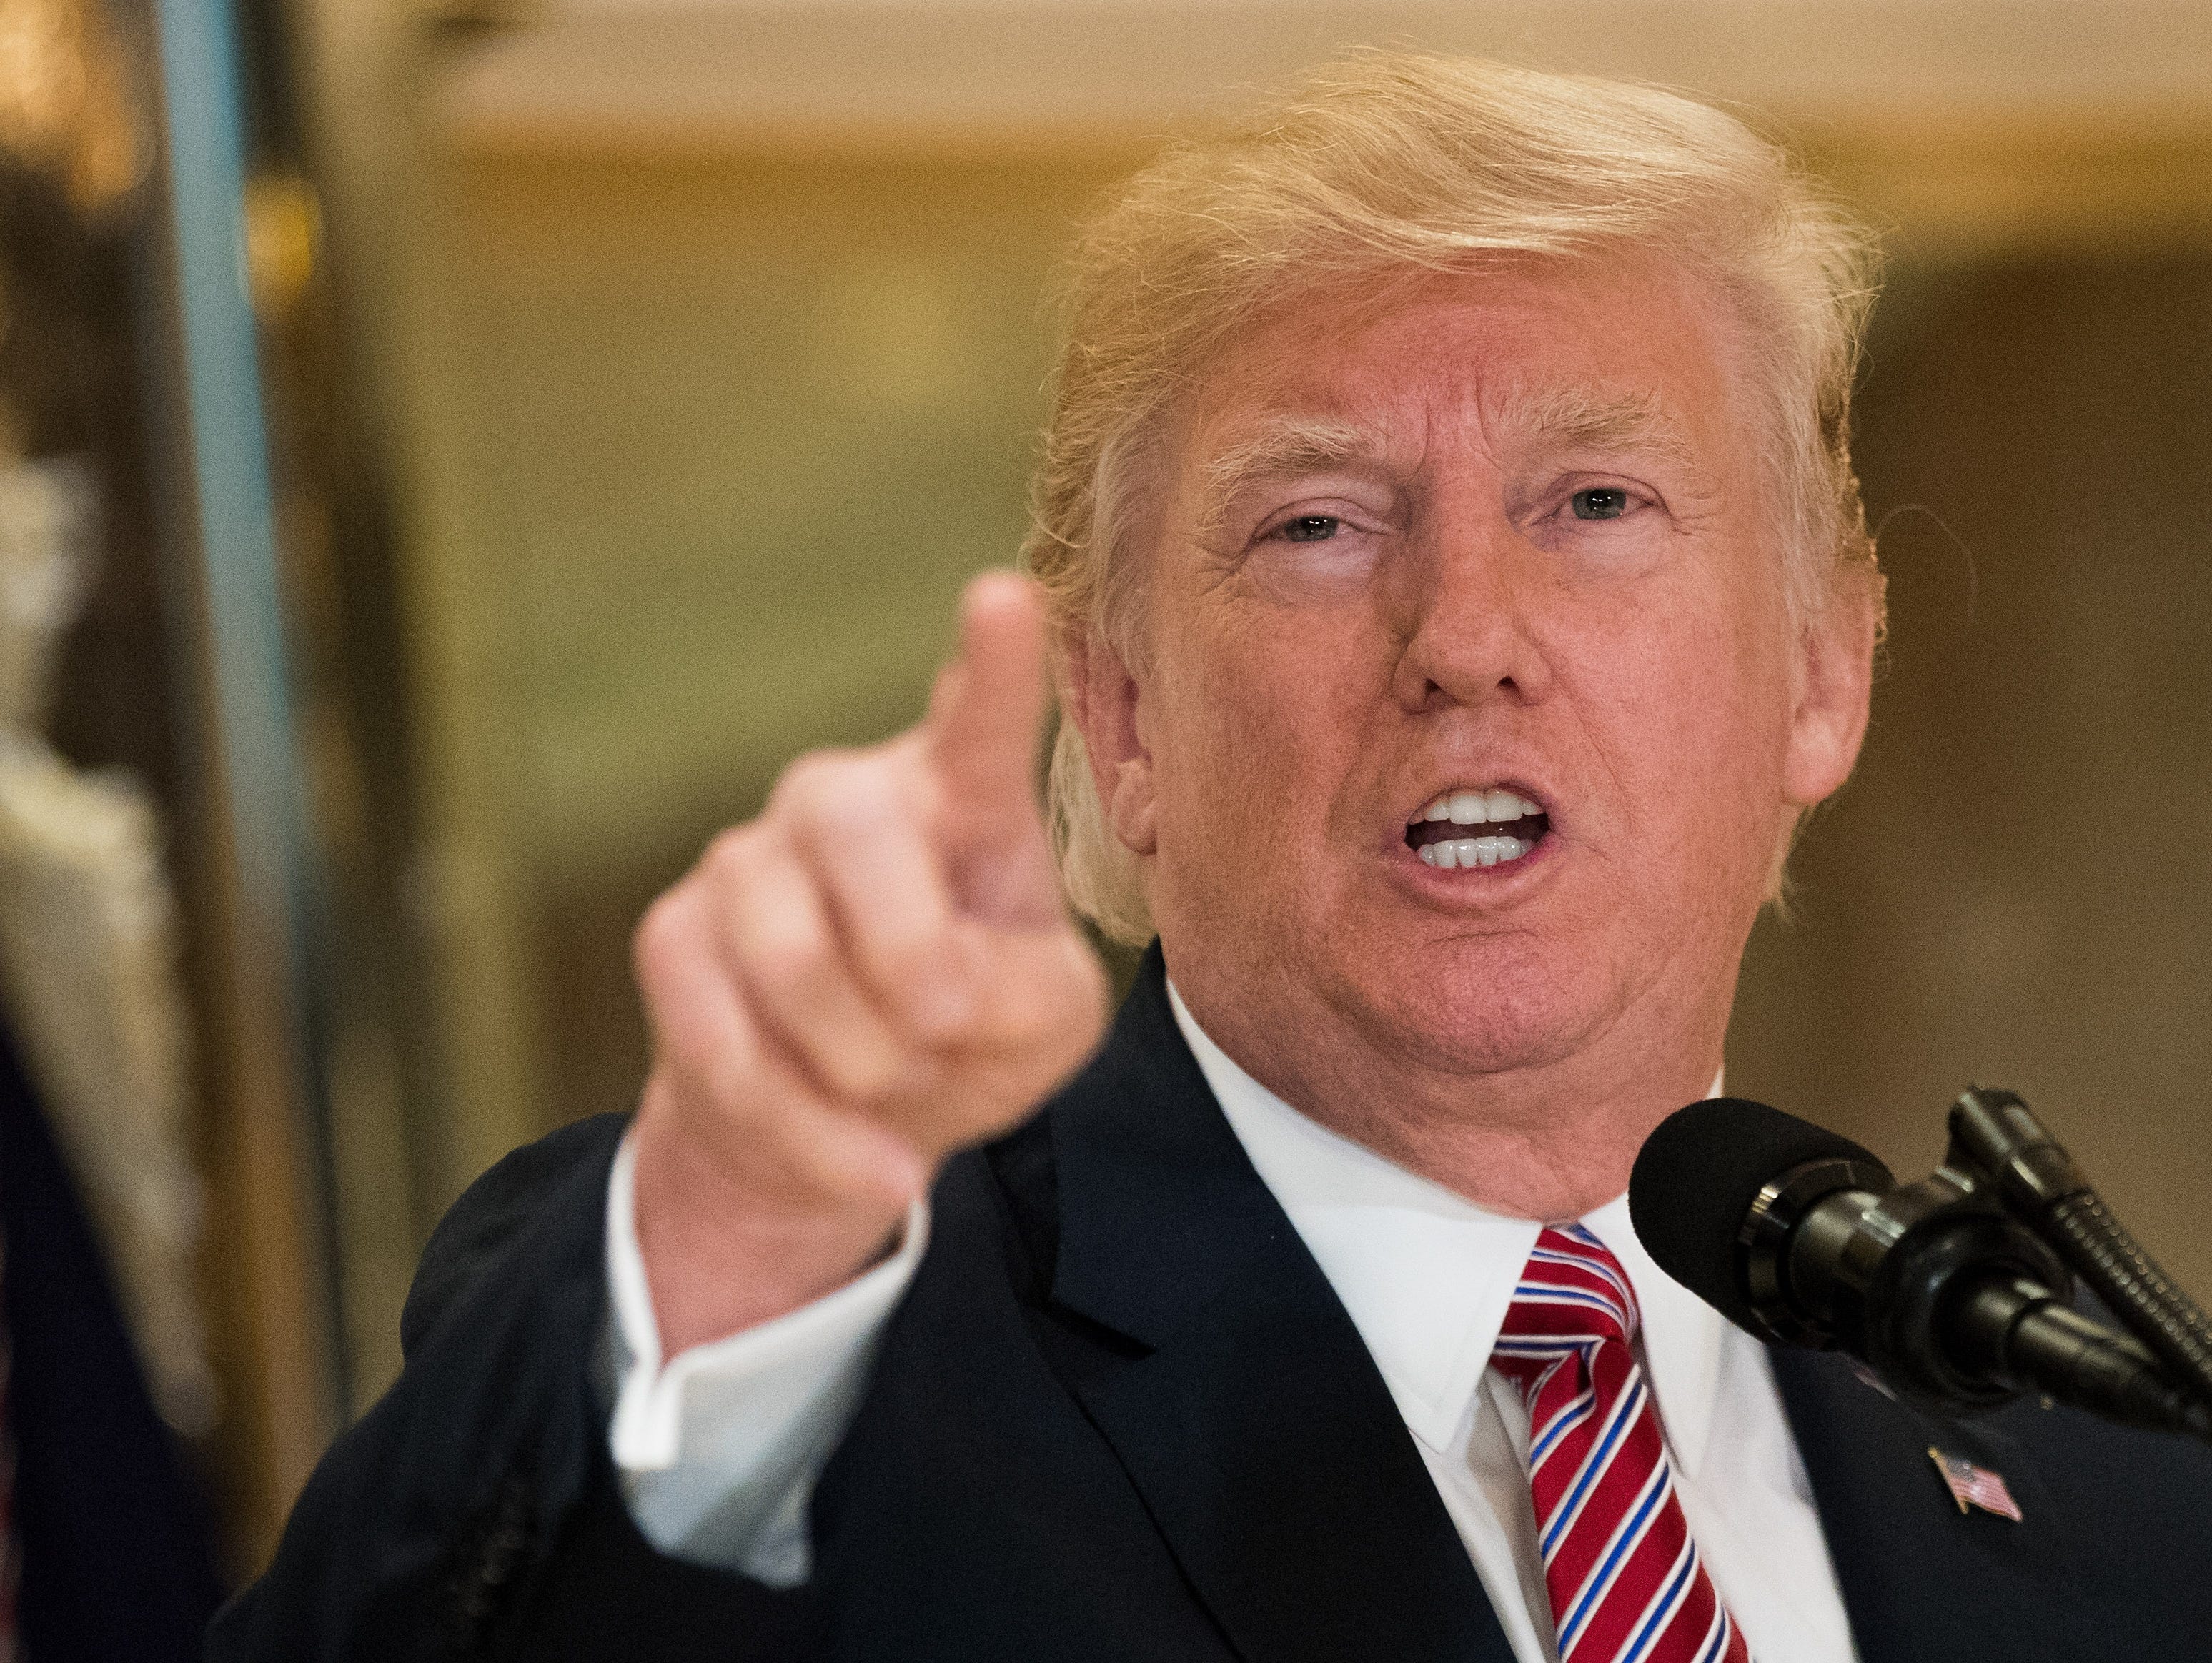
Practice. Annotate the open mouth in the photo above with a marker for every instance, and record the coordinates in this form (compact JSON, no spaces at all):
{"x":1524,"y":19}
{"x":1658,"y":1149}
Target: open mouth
{"x":1488,"y":827}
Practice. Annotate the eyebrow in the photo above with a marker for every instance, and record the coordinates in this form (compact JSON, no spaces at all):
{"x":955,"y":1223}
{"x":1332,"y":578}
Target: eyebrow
{"x":1284,"y":445}
{"x":1570,"y":416}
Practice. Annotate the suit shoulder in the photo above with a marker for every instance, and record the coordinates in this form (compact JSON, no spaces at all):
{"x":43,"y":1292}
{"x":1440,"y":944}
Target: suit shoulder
{"x":495,"y":1209}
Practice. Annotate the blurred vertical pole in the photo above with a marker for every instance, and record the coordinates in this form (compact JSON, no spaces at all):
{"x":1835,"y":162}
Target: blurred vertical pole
{"x":258,"y":866}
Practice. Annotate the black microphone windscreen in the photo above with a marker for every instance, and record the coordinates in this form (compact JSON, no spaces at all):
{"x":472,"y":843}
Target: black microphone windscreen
{"x":1697,"y":1177}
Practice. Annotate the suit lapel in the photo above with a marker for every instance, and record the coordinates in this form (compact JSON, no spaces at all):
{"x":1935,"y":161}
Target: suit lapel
{"x":1921,"y":1581}
{"x":1253,"y":1421}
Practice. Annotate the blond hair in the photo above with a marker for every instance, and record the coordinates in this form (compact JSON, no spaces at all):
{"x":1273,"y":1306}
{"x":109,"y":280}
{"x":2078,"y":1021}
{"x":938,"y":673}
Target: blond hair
{"x":1386,"y":163}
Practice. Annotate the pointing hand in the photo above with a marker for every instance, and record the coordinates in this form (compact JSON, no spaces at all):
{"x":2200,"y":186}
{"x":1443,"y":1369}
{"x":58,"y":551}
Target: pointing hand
{"x":874,"y":973}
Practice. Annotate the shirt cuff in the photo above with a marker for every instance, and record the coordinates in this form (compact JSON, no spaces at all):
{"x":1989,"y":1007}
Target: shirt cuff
{"x":718,"y":1449}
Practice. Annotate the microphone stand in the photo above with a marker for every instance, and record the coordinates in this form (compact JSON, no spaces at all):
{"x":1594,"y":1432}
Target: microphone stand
{"x":1995,"y":1138}
{"x":1956,"y":1290}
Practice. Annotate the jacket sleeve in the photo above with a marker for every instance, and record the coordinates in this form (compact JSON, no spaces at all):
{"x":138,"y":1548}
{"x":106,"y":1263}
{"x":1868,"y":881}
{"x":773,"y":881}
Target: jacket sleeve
{"x":473,"y":1512}
{"x":719,"y":1448}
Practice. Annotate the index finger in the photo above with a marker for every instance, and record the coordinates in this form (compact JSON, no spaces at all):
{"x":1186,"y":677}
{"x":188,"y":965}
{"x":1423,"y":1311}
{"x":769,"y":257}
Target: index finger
{"x":989,"y":706}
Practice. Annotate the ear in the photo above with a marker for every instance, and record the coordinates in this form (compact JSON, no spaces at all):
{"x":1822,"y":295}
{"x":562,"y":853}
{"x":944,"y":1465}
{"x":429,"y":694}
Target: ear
{"x":1834,"y":688}
{"x":1102,"y":699}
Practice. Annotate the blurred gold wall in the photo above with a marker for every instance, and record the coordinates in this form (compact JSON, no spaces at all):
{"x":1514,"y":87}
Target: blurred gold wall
{"x":742,"y":426}
{"x":2016,"y":886}
{"x":706,"y":346}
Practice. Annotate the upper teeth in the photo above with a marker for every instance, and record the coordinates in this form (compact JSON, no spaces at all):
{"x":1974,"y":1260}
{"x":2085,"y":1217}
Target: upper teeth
{"x":1476,"y":808}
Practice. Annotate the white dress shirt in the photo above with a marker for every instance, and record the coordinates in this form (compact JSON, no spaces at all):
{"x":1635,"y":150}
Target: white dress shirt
{"x":719,"y":1450}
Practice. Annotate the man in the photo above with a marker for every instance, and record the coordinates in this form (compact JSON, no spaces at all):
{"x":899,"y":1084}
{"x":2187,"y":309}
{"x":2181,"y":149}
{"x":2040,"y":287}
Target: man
{"x":1457,"y":589}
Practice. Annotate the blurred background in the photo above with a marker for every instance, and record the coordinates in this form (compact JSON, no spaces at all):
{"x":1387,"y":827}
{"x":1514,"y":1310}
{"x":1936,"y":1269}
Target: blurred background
{"x":452,"y":452}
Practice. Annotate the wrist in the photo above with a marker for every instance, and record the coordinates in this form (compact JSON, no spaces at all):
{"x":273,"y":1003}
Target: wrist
{"x":722,"y":1255}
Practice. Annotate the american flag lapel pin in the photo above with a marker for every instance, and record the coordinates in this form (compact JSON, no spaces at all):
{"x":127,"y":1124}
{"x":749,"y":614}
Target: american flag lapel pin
{"x":1974,"y":1486}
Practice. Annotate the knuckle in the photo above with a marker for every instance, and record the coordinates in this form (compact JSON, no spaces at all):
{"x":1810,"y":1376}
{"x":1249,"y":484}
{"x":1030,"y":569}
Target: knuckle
{"x":659,"y":944}
{"x":810,"y":785}
{"x":872,"y":787}
{"x":908,"y":955}
{"x":783,"y":959}
{"x":782,"y":942}
{"x":830,"y":789}
{"x":731,"y":851}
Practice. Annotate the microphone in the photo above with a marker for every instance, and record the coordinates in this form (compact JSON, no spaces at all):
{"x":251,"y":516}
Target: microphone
{"x":1803,"y":1238}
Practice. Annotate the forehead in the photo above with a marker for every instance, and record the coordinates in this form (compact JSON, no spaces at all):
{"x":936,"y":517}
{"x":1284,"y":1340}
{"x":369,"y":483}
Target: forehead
{"x":1582,"y":353}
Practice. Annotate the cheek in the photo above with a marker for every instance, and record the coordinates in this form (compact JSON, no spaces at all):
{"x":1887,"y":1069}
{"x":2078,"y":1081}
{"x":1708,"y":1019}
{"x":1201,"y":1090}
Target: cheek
{"x":1695,"y":720}
{"x":1261,"y":726}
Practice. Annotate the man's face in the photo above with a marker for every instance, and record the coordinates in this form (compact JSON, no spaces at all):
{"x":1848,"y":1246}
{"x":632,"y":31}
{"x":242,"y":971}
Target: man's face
{"x":1506,"y":533}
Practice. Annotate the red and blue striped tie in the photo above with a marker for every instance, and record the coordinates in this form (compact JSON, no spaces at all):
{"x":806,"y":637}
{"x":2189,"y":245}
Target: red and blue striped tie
{"x":1626,"y":1580}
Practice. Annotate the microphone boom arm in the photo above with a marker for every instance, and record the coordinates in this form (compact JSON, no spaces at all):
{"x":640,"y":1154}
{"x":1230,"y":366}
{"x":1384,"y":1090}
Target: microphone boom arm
{"x":1955,"y":1291}
{"x":1953,"y":1300}
{"x":1993,"y":1133}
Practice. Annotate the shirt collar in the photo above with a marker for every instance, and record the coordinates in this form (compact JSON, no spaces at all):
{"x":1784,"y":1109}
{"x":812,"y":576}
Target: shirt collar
{"x":1427,"y":1276}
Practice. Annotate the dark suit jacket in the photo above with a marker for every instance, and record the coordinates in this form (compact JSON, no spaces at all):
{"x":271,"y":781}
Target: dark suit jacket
{"x":1119,"y":1415}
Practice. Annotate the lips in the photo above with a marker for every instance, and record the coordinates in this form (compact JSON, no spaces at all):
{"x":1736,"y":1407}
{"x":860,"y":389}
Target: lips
{"x":1476,"y":826}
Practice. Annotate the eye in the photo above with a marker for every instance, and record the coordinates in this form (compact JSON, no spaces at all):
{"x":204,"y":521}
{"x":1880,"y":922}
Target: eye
{"x":1599,"y":502}
{"x":1310,"y":528}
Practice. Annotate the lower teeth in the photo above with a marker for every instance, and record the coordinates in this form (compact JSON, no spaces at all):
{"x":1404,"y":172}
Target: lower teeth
{"x":1474,"y":851}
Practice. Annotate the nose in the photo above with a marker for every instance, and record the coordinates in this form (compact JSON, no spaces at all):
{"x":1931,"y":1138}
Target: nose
{"x":1465,"y":604}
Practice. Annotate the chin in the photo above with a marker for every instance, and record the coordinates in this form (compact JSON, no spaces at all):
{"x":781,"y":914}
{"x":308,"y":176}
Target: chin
{"x":1496,"y":1006}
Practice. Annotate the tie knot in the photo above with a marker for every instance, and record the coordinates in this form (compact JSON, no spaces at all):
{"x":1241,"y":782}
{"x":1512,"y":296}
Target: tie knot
{"x":1572,"y":1294}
